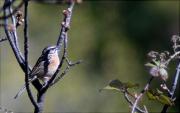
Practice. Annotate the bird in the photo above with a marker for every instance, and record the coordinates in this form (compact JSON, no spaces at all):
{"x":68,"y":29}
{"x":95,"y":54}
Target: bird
{"x":44,"y":68}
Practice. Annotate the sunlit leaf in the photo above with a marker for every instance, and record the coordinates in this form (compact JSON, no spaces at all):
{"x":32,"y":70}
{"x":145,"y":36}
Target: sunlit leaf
{"x":109,"y":88}
{"x":156,"y":62}
{"x":150,"y":65}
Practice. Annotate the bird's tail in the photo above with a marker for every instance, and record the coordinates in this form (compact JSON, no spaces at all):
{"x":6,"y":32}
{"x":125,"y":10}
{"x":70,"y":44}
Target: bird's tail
{"x":23,"y":88}
{"x":20,"y":91}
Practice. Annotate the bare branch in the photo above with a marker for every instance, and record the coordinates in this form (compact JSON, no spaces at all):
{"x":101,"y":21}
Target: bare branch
{"x":26,"y":44}
{"x":145,"y":108}
{"x":18,"y":57}
{"x":63,"y":36}
{"x":141,"y":94}
{"x":65,"y":24}
{"x":16,"y":49}
{"x":11,"y":13}
{"x":8,"y":4}
{"x":14,"y":33}
{"x":126,"y":96}
{"x":3,"y":39}
{"x":164,"y":87}
{"x":164,"y":110}
{"x":69,"y":64}
{"x":175,"y":80}
{"x":62,"y":39}
{"x":172,"y":57}
{"x":4,"y":110}
{"x":23,"y":62}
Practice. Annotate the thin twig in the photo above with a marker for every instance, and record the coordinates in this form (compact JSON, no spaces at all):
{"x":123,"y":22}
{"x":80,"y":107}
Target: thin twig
{"x":172,"y":57}
{"x":61,"y":39}
{"x":18,"y":57}
{"x":55,"y":74}
{"x":65,"y":23}
{"x":4,"y":110}
{"x":14,"y":32}
{"x":16,"y":50}
{"x":69,"y":64}
{"x":126,"y":96}
{"x":164,"y":110}
{"x":63,"y":57}
{"x":3,"y":39}
{"x":141,"y":94}
{"x":63,"y":36}
{"x":164,"y":87}
{"x":145,"y":108}
{"x":13,"y":12}
{"x":26,"y":42}
{"x":7,"y":5}
{"x":175,"y":80}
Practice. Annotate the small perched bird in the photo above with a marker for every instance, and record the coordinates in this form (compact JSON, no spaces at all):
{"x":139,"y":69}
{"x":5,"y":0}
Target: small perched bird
{"x":44,"y":68}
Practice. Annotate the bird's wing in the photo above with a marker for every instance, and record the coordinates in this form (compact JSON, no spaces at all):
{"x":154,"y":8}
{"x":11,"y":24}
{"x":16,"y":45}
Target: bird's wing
{"x":38,"y":68}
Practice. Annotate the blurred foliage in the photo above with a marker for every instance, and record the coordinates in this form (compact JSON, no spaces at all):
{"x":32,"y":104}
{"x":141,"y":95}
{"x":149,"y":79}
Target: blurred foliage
{"x":111,"y":37}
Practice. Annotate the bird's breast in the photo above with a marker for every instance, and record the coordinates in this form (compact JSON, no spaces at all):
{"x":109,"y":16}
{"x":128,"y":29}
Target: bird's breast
{"x":53,"y":65}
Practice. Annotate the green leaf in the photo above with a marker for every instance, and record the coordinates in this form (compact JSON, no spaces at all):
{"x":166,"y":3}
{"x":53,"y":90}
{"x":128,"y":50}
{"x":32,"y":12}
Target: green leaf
{"x":150,"y":95}
{"x":130,"y":85}
{"x":109,"y":88}
{"x":165,"y":100}
{"x":150,"y":65}
{"x":158,"y":91}
{"x":118,"y":85}
{"x":158,"y":96}
{"x":156,"y":62}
